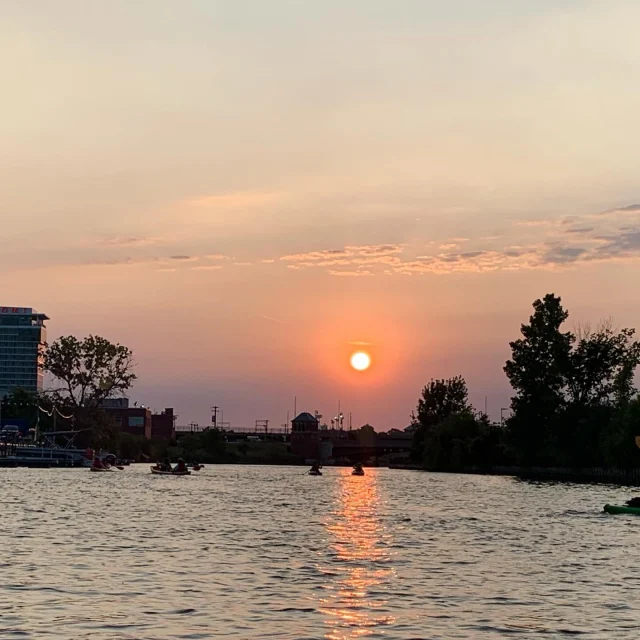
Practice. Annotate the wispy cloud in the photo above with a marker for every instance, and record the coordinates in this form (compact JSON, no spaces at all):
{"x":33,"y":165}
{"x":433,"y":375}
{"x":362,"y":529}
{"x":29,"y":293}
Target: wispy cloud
{"x":350,"y":274}
{"x":118,"y":261}
{"x":271,"y":319}
{"x":207,"y":267}
{"x":129,"y":241}
{"x":239,"y":199}
{"x":580,"y":230}
{"x":632,"y":209}
{"x":181,"y":258}
{"x":560,"y":243}
{"x":330,"y":257}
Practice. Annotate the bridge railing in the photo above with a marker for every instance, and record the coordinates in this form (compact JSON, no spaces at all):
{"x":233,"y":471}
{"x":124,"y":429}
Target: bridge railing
{"x":195,"y":428}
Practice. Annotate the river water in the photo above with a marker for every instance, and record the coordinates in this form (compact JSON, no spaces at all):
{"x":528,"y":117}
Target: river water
{"x":270,"y":552}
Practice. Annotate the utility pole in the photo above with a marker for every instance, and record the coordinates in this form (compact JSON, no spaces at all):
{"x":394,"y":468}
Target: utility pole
{"x":214,"y":417}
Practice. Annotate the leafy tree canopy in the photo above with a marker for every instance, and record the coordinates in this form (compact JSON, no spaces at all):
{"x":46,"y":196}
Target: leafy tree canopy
{"x":441,"y":399}
{"x":89,"y":371}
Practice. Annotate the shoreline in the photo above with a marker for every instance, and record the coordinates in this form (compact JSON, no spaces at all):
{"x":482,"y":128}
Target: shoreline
{"x":587,"y":475}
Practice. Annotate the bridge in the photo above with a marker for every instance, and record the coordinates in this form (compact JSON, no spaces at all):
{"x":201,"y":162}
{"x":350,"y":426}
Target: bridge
{"x":278,"y":434}
{"x":358,"y":450}
{"x":325,"y":444}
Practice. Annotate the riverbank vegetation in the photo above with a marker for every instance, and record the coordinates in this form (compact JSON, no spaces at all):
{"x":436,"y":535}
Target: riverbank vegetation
{"x":574,"y":402}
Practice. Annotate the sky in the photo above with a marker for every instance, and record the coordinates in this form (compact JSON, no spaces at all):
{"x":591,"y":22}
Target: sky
{"x":245,"y":192}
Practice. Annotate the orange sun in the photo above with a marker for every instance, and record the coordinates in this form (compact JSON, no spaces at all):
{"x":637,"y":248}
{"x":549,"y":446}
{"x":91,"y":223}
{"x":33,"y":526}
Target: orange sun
{"x":360,"y":361}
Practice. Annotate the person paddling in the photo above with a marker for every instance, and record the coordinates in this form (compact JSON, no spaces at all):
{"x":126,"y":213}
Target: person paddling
{"x":97,"y":463}
{"x":181,"y":467}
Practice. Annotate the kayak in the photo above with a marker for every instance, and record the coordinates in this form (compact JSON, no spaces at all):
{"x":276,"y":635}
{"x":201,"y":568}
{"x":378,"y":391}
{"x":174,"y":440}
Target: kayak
{"x":357,"y":473}
{"x":315,"y":473}
{"x":618,"y":508}
{"x":157,"y":472}
{"x":97,"y":469}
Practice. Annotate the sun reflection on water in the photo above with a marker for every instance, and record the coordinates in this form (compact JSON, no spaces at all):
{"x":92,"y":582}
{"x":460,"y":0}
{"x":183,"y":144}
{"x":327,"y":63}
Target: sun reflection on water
{"x":355,"y":603}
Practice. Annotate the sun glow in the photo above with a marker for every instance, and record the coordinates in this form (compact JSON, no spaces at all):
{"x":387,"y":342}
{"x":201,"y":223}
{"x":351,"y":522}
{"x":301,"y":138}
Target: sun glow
{"x":360,"y":361}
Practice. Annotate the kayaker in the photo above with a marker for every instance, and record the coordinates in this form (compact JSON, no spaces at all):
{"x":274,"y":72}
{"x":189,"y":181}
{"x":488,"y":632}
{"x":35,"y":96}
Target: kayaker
{"x":165,"y":466}
{"x":97,"y":463}
{"x":181,"y":467}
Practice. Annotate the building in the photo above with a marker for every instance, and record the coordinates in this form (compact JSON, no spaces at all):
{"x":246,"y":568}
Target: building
{"x":134,"y":420}
{"x":305,"y":436}
{"x":23,"y":336}
{"x":163,"y":425}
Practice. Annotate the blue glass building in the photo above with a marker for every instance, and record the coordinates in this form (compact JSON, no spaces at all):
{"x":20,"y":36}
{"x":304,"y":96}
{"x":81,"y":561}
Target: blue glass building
{"x":23,"y":337}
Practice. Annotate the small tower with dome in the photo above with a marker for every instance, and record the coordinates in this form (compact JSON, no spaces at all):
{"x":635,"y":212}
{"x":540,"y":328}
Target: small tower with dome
{"x":305,"y":436}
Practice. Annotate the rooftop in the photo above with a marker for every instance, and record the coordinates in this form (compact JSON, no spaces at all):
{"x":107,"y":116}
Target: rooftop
{"x":305,"y":417}
{"x":22,"y":311}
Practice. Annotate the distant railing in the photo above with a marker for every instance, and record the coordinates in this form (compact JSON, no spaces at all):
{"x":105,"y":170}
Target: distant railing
{"x":196,"y":428}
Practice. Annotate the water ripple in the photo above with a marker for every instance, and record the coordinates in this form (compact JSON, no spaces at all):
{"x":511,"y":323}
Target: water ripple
{"x":267,"y":552}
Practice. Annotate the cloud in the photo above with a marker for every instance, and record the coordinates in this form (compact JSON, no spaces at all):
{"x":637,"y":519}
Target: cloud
{"x":129,"y":241}
{"x":351,"y":254}
{"x":184,"y":258}
{"x":350,"y":274}
{"x":624,"y":245}
{"x":535,"y":223}
{"x":580,"y":230}
{"x":119,"y":262}
{"x":206,"y":267}
{"x":629,"y":209}
{"x":563,"y":255}
{"x":271,"y":319}
{"x":235,"y":200}
{"x":375,"y":249}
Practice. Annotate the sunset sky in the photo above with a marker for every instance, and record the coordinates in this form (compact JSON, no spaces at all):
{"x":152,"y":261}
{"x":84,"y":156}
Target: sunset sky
{"x":245,"y":192}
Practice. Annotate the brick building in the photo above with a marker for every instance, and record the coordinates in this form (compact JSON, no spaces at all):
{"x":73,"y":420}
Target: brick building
{"x":163,"y":425}
{"x":134,"y":420}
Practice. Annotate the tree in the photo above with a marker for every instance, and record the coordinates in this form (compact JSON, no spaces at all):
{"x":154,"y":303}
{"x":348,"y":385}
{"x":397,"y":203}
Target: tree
{"x":568,"y":386}
{"x":20,"y":403}
{"x":90,"y":370}
{"x":540,"y":362}
{"x":540,"y":359}
{"x":366,"y":435}
{"x":602,"y":366}
{"x":439,"y":400}
{"x":618,"y":442}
